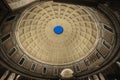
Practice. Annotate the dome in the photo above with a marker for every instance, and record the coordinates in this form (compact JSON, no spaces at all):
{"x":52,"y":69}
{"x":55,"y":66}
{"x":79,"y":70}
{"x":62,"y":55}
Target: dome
{"x":52,"y":40}
{"x":36,"y":37}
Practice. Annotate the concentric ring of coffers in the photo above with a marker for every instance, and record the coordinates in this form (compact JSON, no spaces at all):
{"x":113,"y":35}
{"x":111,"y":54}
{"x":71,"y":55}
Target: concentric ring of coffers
{"x":11,"y":49}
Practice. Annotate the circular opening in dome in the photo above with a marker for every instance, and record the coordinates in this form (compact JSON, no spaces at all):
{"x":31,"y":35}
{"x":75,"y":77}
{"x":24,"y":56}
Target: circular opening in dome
{"x":58,"y":29}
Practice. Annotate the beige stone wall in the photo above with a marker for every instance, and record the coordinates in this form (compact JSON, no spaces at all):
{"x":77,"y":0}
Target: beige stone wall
{"x":10,"y":1}
{"x":15,"y":4}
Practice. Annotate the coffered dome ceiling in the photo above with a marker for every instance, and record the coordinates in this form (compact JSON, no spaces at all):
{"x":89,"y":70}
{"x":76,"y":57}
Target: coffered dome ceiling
{"x":57,"y":40}
{"x":34,"y":32}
